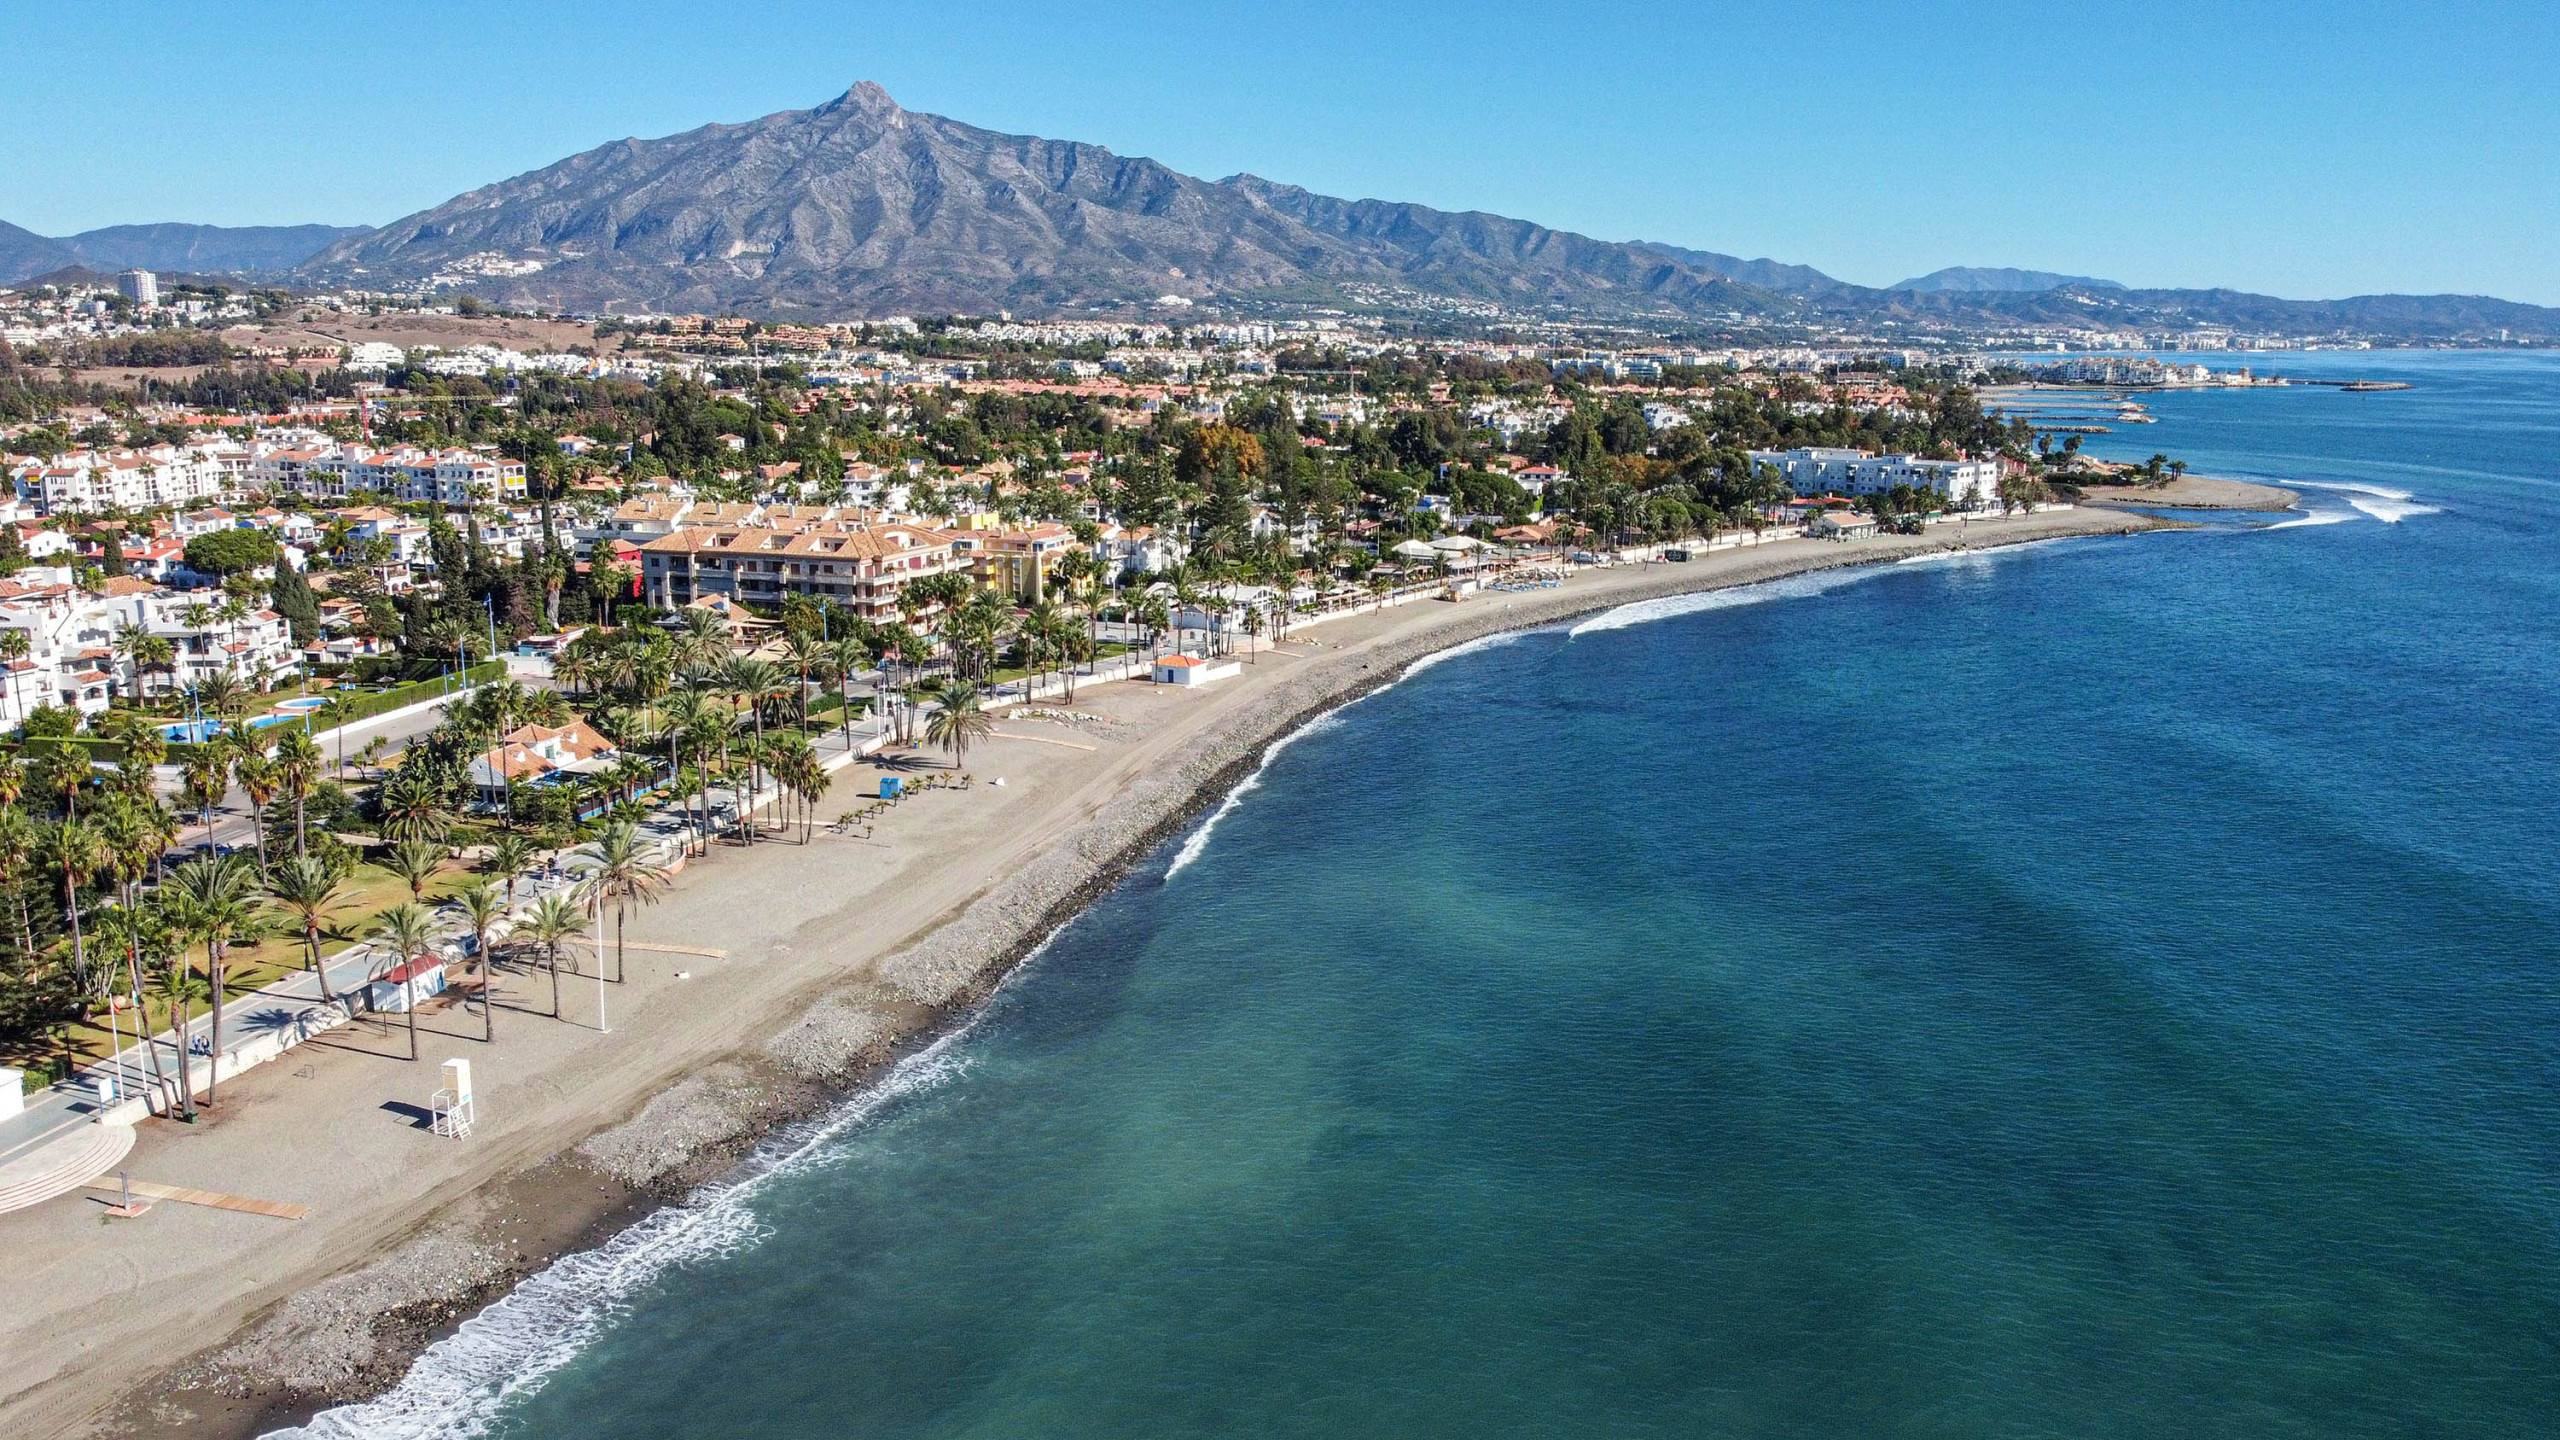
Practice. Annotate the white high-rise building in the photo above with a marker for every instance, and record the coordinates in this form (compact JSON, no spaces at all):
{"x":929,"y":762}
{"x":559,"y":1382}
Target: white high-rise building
{"x":140,"y":286}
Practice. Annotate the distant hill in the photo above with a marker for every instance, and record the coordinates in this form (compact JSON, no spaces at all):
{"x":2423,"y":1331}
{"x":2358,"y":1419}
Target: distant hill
{"x":1766,"y":274}
{"x":24,"y":253}
{"x":70,"y":276}
{"x":205,"y":248}
{"x":194,"y":249}
{"x":1969,"y":280}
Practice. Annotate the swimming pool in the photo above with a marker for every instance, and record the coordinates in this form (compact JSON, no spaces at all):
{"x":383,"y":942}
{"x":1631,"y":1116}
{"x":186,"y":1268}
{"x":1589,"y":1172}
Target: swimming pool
{"x":195,"y":732}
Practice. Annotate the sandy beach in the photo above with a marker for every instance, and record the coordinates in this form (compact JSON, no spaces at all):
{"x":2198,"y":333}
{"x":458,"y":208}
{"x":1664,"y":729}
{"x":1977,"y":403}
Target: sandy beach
{"x":829,"y":957}
{"x":2193,"y":492}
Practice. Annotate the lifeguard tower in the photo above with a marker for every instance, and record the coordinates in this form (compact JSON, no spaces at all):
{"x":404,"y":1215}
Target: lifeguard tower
{"x":454,"y":1112}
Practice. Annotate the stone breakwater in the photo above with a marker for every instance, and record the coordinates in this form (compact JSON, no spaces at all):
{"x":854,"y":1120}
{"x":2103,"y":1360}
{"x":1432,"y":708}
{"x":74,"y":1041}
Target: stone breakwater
{"x":349,"y":1337}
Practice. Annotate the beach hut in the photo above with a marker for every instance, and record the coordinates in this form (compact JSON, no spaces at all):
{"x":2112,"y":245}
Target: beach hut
{"x":1193,"y":670}
{"x":405,"y":985}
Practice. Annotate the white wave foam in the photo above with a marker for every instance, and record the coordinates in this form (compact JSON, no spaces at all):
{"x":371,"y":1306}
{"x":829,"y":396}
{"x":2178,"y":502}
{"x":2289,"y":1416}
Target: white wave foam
{"x":1791,"y":587}
{"x":1644,"y":612}
{"x":1198,"y":840}
{"x":458,"y":1385}
{"x":2391,"y":511}
{"x":1481,"y":642}
{"x":2316,"y":517}
{"x":2350,"y":486}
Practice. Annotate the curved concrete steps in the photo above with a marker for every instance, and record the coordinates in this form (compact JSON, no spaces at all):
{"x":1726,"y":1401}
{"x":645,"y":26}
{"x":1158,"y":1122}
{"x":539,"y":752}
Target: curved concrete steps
{"x":63,"y":1165}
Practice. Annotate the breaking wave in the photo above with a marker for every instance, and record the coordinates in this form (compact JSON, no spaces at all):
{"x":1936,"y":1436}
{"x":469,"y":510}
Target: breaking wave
{"x":1198,"y":840}
{"x":2391,"y":511}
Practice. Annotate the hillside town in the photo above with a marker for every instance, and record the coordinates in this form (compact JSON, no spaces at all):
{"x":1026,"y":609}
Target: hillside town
{"x":279,"y":513}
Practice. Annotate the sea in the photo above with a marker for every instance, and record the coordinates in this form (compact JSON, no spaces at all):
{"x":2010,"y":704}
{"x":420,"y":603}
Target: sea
{"x":2103,"y":988}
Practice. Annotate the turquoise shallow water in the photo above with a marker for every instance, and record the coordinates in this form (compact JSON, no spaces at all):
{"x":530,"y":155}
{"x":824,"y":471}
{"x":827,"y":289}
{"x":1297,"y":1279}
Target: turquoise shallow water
{"x":2100,"y":989}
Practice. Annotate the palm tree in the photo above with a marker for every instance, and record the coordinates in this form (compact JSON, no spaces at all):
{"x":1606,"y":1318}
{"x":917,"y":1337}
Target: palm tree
{"x":69,"y":774}
{"x":72,"y":847}
{"x":573,"y":670}
{"x":554,"y":918}
{"x":206,"y":777}
{"x":794,"y":761}
{"x":510,"y":855}
{"x":846,"y":655}
{"x":145,"y":745}
{"x":616,"y":868}
{"x":409,"y":928}
{"x":143,"y":929}
{"x":959,"y":722}
{"x":130,"y":644}
{"x":180,"y":990}
{"x":707,"y":730}
{"x":416,"y":861}
{"x":898,"y":648}
{"x":754,"y":682}
{"x":804,"y":653}
{"x":216,"y":901}
{"x":505,"y":701}
{"x":310,"y":888}
{"x":220,"y":693}
{"x":483,"y":907}
{"x":412,"y":809}
{"x":298,"y":763}
{"x":259,"y":781}
{"x":333,"y":716}
{"x":1039,"y":626}
{"x":704,"y":640}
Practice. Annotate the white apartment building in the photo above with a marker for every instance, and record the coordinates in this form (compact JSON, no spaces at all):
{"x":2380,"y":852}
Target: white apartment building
{"x":71,"y":642}
{"x":1822,"y":470}
{"x":868,"y":487}
{"x":85,"y":480}
{"x":333,"y":471}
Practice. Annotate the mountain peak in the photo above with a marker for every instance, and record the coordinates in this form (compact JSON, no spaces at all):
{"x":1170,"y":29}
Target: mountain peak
{"x":866,"y":99}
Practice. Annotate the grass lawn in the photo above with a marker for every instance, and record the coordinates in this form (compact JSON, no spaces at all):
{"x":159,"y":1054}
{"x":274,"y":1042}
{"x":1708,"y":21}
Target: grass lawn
{"x":370,"y":890}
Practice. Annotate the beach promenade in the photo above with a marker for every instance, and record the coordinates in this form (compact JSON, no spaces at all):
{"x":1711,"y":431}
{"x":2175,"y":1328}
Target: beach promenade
{"x":766,"y":983}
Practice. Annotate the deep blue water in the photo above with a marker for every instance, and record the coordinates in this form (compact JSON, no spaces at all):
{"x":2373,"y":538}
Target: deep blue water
{"x":2109,"y":988}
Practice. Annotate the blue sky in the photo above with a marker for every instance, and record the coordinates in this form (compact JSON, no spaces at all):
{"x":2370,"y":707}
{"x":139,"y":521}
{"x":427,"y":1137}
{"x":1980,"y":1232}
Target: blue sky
{"x":2304,"y":150}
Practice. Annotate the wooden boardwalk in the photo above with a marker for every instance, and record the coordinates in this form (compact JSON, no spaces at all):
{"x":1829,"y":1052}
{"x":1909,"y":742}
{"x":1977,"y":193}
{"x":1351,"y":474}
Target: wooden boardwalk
{"x":213,"y":1199}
